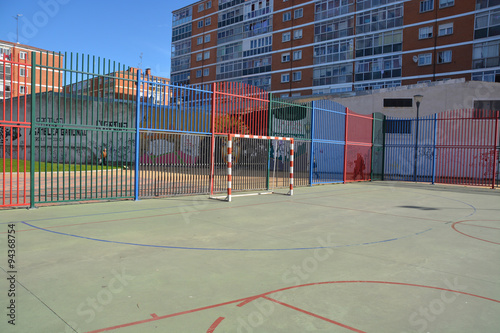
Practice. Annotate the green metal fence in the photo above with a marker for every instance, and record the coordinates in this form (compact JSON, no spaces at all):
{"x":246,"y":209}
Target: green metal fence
{"x":378,"y":147}
{"x":82,"y":128}
{"x":293,"y":120}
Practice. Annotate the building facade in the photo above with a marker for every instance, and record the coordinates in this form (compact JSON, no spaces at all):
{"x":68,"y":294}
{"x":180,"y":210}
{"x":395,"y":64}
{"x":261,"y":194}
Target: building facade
{"x":121,"y":85}
{"x":300,"y":47}
{"x":15,"y":70}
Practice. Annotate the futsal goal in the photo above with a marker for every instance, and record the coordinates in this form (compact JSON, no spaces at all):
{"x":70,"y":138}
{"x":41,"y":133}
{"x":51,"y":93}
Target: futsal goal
{"x":258,"y":165}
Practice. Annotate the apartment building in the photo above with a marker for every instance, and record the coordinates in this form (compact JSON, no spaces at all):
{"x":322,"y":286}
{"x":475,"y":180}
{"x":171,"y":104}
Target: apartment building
{"x":122,"y":85}
{"x":15,"y":70}
{"x":300,"y":47}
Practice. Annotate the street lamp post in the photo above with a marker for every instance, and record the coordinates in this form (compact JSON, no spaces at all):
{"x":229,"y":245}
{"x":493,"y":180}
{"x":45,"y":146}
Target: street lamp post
{"x":17,"y":29}
{"x":418,"y":100}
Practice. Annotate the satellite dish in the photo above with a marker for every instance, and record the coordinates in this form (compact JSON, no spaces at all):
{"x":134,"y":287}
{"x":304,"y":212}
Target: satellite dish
{"x":415,"y":58}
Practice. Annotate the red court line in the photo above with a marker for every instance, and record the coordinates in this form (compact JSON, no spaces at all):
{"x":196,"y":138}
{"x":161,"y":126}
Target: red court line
{"x":264,"y":295}
{"x":215,"y":324}
{"x":463,"y":233}
{"x":248,"y":300}
{"x":480,"y":226}
{"x":314,"y":315}
{"x":162,"y":317}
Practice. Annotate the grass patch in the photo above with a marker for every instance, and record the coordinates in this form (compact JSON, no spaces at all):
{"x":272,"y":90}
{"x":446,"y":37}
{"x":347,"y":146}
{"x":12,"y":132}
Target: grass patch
{"x":48,"y":166}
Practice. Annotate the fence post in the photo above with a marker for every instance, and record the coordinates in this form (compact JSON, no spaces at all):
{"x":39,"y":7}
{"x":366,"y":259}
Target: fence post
{"x":137,"y":136}
{"x":229,"y":165}
{"x":271,"y":133}
{"x":32,"y":130}
{"x":345,"y":143}
{"x":291,"y":165}
{"x":415,"y":159}
{"x":373,"y":145}
{"x":435,"y":151}
{"x":311,"y":162}
{"x":495,"y":151}
{"x":212,"y":142}
{"x":383,"y":147}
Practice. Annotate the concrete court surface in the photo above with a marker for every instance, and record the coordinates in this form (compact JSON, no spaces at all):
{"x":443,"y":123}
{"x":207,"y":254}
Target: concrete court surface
{"x":359,"y":257}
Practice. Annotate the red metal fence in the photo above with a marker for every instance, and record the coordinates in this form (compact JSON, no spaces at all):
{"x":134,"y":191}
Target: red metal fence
{"x":239,"y":108}
{"x":466,"y":147}
{"x":14,"y":131}
{"x":358,"y":147}
{"x":454,"y":147}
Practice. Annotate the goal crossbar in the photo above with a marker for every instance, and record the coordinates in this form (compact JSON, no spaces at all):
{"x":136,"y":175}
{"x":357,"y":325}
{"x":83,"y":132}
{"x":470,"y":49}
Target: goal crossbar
{"x":230,"y":162}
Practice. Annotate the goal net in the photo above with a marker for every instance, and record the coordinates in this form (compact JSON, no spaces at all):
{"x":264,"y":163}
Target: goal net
{"x":256,"y":165}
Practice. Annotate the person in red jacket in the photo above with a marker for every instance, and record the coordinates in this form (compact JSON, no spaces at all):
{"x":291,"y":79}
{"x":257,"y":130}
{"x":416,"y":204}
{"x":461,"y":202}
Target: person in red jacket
{"x":359,"y":167}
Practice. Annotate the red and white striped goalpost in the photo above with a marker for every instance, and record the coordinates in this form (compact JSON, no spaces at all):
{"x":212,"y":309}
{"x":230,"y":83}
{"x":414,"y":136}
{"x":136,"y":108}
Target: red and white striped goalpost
{"x":230,"y":159}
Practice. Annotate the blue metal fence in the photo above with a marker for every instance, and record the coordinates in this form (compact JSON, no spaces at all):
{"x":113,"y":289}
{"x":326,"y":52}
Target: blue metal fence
{"x":328,"y":142}
{"x":402,"y":145}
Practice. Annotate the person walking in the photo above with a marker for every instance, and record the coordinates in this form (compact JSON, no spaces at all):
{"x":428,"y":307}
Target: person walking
{"x":104,"y":157}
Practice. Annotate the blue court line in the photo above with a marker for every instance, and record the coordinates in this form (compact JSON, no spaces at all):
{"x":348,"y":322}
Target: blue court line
{"x":222,"y":249}
{"x":140,"y":210}
{"x":474,"y":210}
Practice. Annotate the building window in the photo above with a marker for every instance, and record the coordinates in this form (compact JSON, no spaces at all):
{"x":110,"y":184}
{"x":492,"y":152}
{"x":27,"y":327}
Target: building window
{"x":199,"y":40}
{"x":379,"y":43}
{"x":334,"y":51}
{"x":285,"y":57}
{"x":378,"y":68}
{"x":22,"y":55}
{"x":382,"y":18}
{"x":487,"y":24}
{"x":285,"y":78}
{"x":425,"y":32}
{"x":200,"y":24}
{"x":486,"y":55}
{"x":207,"y":38}
{"x":208,"y":5}
{"x":445,"y":29}
{"x":480,"y":4}
{"x":22,"y":90}
{"x":297,"y":34}
{"x":208,"y":21}
{"x":297,"y":76}
{"x":22,"y":72}
{"x":284,"y":95}
{"x":426,"y":5}
{"x":198,"y":73}
{"x":297,"y":55}
{"x":287,"y":16}
{"x":444,"y":57}
{"x":446,"y":3}
{"x":285,"y":37}
{"x":199,"y":57}
{"x":200,"y":7}
{"x":206,"y":72}
{"x":424,"y":59}
{"x":207,"y":55}
{"x":332,"y":74}
{"x":298,"y":13}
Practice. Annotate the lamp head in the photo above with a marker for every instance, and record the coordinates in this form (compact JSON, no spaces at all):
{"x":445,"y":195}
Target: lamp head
{"x":418,"y":99}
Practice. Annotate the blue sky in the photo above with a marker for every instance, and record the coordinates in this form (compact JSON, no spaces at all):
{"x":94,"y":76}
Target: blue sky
{"x":119,"y":30}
